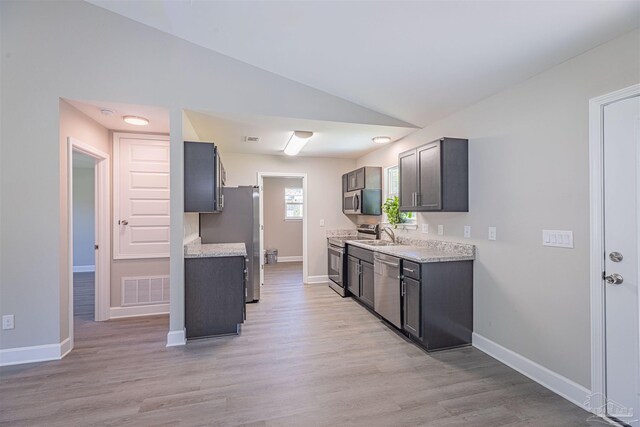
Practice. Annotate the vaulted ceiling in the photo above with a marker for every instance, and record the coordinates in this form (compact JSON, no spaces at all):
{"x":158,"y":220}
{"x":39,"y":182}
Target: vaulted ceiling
{"x":417,"y":61}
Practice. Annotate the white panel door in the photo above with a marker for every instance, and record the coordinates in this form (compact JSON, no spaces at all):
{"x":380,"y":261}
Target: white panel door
{"x":621,"y":161}
{"x":141,"y":196}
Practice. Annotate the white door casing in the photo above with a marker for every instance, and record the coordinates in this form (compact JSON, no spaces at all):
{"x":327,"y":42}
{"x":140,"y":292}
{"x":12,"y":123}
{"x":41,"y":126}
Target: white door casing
{"x":102,"y":212}
{"x":261,"y":176}
{"x":141,"y":196}
{"x":621,"y":160}
{"x":614,"y":129}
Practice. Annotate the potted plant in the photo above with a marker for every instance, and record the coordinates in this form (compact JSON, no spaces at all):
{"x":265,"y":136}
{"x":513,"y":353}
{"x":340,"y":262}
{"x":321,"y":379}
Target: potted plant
{"x":391,"y":208}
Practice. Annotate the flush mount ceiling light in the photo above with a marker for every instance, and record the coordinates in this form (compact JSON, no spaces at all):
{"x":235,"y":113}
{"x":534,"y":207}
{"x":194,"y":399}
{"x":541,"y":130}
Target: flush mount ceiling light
{"x":298,"y":139}
{"x":135,"y":120}
{"x":381,"y":139}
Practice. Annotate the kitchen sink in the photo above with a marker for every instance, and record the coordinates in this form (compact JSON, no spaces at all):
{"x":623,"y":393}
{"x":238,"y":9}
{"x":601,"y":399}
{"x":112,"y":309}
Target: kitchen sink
{"x":380,"y":243}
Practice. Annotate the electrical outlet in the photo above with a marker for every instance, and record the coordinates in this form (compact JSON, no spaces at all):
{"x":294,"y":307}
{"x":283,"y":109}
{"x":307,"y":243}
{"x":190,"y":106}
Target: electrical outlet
{"x":425,"y":228}
{"x":440,"y":230}
{"x":322,"y":223}
{"x":7,"y":321}
{"x":492,"y":233}
{"x":467,"y":231}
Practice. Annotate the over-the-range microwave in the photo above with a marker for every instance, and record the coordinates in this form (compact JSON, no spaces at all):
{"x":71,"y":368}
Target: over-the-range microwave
{"x":352,"y":202}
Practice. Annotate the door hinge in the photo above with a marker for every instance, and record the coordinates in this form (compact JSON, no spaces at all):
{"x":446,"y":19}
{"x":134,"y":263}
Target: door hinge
{"x":96,"y":247}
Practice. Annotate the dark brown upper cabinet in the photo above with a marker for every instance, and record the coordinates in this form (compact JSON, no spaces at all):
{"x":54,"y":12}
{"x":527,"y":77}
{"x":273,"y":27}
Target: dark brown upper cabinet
{"x":435,"y":177}
{"x":204,"y":178}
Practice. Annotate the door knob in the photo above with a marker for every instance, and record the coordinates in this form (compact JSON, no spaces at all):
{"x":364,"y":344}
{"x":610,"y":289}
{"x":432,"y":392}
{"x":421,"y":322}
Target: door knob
{"x":614,"y":279}
{"x":123,"y":222}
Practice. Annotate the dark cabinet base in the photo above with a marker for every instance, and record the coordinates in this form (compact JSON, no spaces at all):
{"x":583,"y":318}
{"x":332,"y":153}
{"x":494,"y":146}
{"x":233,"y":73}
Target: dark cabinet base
{"x":214,"y":296}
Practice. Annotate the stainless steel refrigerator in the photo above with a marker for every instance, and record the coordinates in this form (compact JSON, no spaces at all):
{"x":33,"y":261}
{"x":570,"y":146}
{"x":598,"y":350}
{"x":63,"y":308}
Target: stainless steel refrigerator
{"x":239,"y":222}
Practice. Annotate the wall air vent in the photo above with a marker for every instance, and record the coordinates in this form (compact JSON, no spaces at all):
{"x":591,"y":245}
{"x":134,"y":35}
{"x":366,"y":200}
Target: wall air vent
{"x":252,"y":139}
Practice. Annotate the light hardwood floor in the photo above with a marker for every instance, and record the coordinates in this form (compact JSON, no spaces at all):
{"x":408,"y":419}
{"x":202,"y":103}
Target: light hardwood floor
{"x":306,"y":357}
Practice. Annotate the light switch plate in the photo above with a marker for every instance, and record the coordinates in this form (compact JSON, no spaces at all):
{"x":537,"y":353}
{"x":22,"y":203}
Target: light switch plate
{"x":322,"y":223}
{"x":467,"y":231}
{"x":425,"y":228}
{"x":493,"y":233}
{"x":440,"y":230}
{"x":557,"y":238}
{"x":7,"y":321}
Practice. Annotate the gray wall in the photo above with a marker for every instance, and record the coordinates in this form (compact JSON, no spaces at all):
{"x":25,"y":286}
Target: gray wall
{"x":286,"y":236}
{"x":83,"y":215}
{"x":75,"y":50}
{"x":528,"y":151}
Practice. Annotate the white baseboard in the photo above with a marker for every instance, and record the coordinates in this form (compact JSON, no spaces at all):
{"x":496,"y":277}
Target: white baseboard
{"x":176,"y":338}
{"x":317,"y":279}
{"x":36,"y":353}
{"x":138,"y":310}
{"x":290,"y":258}
{"x":573,"y":392}
{"x":84,"y":268}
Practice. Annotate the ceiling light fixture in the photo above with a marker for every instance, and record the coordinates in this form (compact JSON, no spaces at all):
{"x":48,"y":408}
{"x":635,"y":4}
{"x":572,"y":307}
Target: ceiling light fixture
{"x":298,"y":139}
{"x":381,"y":139}
{"x":135,"y":120}
{"x":106,"y":112}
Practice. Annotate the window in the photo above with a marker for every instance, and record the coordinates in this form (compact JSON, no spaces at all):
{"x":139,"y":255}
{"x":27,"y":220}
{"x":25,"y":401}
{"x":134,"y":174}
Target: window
{"x":392,"y":181}
{"x":293,"y":199}
{"x":392,"y":189}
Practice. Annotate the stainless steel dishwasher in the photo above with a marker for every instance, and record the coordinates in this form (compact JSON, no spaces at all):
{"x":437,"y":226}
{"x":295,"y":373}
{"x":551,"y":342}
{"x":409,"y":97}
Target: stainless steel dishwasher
{"x":386,"y":284}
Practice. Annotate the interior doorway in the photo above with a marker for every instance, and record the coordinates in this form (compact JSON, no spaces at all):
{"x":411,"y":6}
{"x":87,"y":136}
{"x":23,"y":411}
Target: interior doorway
{"x":87,"y":160}
{"x":84,"y":265}
{"x":615,"y":241}
{"x":283,"y":224}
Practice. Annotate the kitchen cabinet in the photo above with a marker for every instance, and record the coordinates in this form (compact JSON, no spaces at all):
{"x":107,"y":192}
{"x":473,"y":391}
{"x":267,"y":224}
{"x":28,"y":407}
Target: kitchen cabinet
{"x":362,"y":191}
{"x":204,"y":178}
{"x":411,"y":307}
{"x":366,"y":285}
{"x":360,"y":274}
{"x":365,"y":177}
{"x":437,"y":302}
{"x":435,"y":177}
{"x":215,"y":289}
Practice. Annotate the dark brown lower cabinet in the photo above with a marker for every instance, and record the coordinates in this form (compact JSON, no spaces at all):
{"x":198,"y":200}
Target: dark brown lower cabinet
{"x":214,"y":295}
{"x":437,"y":303}
{"x":360,"y":274}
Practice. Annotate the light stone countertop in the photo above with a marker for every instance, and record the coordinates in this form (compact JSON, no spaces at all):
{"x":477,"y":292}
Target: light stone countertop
{"x":196,"y":249}
{"x":423,"y":251}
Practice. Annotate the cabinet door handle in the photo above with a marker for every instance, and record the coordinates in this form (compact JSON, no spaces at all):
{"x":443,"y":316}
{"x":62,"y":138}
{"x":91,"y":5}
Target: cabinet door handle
{"x":403,"y":289}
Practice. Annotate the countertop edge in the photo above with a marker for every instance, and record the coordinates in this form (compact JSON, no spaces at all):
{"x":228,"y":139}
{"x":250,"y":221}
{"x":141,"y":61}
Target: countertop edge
{"x":388,"y":250}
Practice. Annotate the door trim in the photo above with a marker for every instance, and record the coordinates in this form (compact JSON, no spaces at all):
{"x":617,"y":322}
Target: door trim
{"x":102,"y":212}
{"x":596,"y":234}
{"x":305,"y":256}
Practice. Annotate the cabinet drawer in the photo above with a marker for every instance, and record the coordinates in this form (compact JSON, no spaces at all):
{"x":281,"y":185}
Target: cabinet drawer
{"x":360,"y":253}
{"x":411,"y":269}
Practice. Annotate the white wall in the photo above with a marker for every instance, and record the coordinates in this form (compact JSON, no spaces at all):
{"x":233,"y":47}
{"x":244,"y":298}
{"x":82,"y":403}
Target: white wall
{"x":83,"y":215}
{"x":281,"y":234}
{"x":76,"y":50}
{"x":528,"y":154}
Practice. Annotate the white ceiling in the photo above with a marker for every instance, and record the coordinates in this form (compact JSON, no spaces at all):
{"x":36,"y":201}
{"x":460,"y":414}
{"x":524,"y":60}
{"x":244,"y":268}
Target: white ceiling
{"x":330,"y":139}
{"x":417,"y":61}
{"x":158,"y":117}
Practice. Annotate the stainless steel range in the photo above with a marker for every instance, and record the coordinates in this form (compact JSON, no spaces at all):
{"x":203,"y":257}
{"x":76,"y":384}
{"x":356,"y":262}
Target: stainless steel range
{"x":337,"y":261}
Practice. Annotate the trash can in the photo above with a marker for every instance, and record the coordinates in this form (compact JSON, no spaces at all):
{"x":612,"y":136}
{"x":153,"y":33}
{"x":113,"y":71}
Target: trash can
{"x":272,"y":256}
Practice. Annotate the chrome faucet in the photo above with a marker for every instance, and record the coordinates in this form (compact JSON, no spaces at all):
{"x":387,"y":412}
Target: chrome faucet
{"x":390,"y":233}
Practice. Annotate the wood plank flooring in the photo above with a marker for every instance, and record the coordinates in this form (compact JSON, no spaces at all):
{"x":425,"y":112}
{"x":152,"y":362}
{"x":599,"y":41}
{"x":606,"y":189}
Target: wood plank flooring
{"x":84,"y":292}
{"x":306,"y":357}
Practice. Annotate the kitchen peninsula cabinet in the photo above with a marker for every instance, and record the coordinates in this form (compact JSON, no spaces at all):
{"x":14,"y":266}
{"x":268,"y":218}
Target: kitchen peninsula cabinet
{"x":435,"y":177}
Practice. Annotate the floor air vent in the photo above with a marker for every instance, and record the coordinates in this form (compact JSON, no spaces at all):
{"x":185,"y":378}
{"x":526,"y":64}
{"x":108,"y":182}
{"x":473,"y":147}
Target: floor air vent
{"x":145,"y":290}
